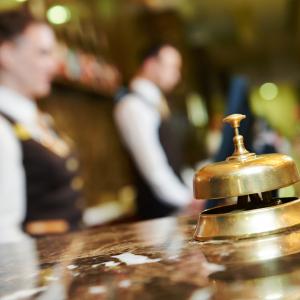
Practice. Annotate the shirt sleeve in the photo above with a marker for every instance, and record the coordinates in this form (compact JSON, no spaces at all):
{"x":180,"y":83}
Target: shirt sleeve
{"x":12,"y":185}
{"x":139,"y":130}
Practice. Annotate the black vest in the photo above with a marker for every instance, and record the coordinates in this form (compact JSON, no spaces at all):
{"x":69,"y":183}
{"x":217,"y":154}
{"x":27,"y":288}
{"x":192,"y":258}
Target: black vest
{"x":149,"y":205}
{"x":51,"y":189}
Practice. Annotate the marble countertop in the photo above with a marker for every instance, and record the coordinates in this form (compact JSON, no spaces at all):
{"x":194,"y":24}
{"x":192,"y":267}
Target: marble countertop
{"x":155,"y":259}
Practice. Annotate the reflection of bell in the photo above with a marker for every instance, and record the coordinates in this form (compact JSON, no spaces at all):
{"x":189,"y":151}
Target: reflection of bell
{"x":267,"y":280}
{"x":251,"y":178}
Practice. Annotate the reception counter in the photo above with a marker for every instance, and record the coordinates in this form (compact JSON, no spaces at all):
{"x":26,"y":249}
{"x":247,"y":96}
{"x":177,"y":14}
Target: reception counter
{"x":155,"y":259}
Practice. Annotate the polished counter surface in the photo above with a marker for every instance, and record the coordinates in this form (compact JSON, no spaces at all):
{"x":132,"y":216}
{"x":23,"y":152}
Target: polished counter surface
{"x":150,"y":260}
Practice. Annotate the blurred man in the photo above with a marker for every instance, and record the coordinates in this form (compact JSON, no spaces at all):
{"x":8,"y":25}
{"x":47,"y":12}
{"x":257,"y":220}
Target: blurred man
{"x":38,"y":172}
{"x":140,"y":115}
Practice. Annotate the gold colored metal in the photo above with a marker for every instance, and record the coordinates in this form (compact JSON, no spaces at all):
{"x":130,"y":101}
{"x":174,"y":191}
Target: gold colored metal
{"x":257,"y":174}
{"x":257,"y":249}
{"x":227,"y":222}
{"x":240,"y":153}
{"x":250,"y":178}
{"x":244,"y":173}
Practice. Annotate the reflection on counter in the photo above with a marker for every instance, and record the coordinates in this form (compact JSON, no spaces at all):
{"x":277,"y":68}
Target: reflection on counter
{"x":149,"y":260}
{"x":272,"y":280}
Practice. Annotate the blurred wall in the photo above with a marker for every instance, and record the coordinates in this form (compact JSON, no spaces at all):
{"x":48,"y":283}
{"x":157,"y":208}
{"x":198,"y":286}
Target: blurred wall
{"x":86,"y":118}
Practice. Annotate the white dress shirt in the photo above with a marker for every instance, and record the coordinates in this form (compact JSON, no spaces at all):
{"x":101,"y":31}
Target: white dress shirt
{"x":12,"y":173}
{"x":138,"y":120}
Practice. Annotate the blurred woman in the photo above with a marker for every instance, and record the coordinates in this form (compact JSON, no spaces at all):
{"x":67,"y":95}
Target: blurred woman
{"x":39,"y":183}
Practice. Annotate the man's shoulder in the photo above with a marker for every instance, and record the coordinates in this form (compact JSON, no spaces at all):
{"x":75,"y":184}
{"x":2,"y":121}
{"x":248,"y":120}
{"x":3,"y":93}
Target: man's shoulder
{"x":131,"y":108}
{"x":130,"y":101}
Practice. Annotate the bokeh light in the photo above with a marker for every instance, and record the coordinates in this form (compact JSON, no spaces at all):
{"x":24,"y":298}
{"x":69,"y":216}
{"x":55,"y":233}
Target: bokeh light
{"x":268,"y":91}
{"x":58,"y":14}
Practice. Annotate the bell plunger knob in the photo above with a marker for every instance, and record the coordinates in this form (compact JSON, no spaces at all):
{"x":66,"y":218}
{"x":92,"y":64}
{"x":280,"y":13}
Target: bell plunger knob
{"x":240,"y":152}
{"x":234,"y":120}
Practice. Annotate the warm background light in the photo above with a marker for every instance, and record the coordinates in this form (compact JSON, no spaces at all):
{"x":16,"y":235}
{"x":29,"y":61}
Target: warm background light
{"x":268,"y":91}
{"x":58,"y":14}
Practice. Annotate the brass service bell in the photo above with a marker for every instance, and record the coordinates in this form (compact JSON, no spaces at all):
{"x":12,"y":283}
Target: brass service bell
{"x":251,"y":179}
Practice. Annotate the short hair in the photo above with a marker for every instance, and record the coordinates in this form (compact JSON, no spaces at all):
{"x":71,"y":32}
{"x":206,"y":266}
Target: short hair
{"x":152,"y":51}
{"x":14,"y":22}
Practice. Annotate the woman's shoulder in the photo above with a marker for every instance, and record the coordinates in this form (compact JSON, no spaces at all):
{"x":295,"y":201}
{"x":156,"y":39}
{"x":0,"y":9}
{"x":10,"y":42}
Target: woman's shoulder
{"x":8,"y":138}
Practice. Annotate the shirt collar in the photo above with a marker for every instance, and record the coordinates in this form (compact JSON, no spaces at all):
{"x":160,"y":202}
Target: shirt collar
{"x":17,"y":106}
{"x":147,"y":89}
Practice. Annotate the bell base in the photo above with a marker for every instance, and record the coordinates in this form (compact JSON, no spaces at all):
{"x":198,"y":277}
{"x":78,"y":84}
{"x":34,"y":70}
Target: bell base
{"x":227,"y":222}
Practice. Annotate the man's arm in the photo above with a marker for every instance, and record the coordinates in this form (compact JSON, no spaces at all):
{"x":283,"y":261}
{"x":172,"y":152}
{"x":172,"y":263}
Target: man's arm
{"x":12,"y":185}
{"x":140,"y":135}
